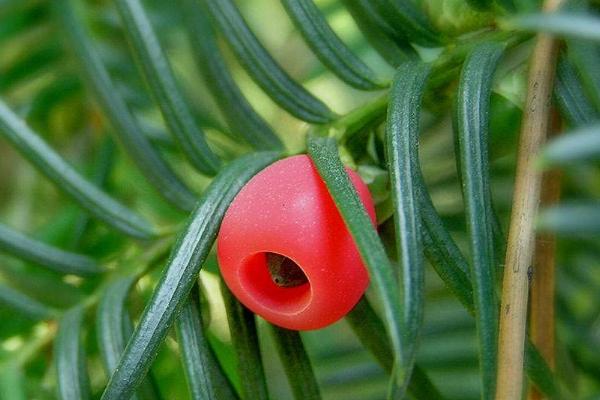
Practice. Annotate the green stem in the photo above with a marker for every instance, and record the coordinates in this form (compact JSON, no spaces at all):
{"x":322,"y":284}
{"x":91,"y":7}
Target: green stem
{"x":444,"y":69}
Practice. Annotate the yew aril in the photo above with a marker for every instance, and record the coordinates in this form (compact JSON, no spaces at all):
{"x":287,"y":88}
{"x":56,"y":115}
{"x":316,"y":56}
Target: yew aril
{"x":285,"y":252}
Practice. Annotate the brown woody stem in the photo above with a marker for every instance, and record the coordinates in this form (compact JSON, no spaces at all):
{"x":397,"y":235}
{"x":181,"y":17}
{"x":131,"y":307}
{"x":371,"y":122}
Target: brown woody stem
{"x":521,"y":237}
{"x":541,"y":318}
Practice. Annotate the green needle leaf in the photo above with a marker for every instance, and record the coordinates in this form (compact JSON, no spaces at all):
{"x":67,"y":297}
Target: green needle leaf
{"x":370,"y":330}
{"x":568,"y":24}
{"x":24,"y":305}
{"x":265,"y":71}
{"x":25,"y":248}
{"x":152,"y":61}
{"x":473,"y":106}
{"x":203,"y":373}
{"x":22,"y":21}
{"x":408,"y":21}
{"x":328,"y":47}
{"x":402,"y":148}
{"x":539,"y":372}
{"x":392,"y":48}
{"x":181,"y":272}
{"x":244,"y":337}
{"x":570,"y":94}
{"x":57,"y":170}
{"x":324,"y":154}
{"x":586,"y":58}
{"x":114,"y":327}
{"x":296,"y":363}
{"x":238,"y":113}
{"x":111,"y":322}
{"x":442,"y":252}
{"x":69,"y":357}
{"x":577,"y":219}
{"x":102,"y":166}
{"x":29,"y":65}
{"x":126,"y":127}
{"x":574,"y":147}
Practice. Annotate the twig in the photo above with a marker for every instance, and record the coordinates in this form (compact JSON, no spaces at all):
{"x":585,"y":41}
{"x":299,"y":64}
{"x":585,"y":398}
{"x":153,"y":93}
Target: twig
{"x":519,"y":253}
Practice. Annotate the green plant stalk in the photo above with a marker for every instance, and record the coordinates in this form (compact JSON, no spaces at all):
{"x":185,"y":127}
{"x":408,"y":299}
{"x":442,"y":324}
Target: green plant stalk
{"x":347,"y":125}
{"x":443,"y":70}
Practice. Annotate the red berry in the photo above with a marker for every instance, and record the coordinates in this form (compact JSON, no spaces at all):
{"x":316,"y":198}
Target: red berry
{"x":286,"y":210}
